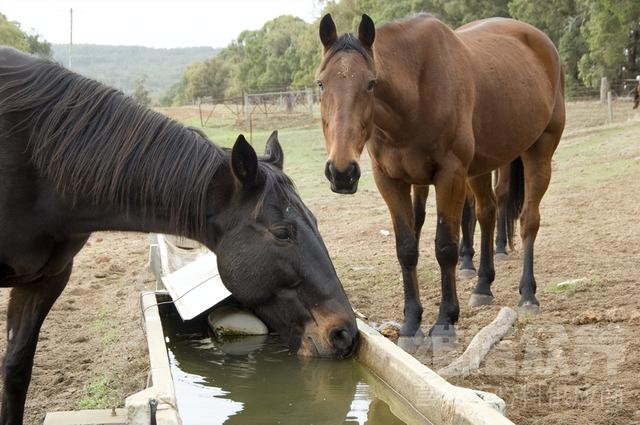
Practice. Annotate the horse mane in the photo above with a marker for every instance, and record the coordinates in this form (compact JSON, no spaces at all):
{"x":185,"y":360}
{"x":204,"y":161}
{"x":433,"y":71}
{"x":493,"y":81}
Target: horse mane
{"x":99,"y":146}
{"x":348,"y":41}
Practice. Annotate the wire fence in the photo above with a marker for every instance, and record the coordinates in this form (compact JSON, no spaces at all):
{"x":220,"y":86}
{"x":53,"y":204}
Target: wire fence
{"x":278,"y":108}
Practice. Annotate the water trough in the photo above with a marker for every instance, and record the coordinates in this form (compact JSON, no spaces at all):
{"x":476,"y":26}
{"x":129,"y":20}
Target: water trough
{"x":412,"y":392}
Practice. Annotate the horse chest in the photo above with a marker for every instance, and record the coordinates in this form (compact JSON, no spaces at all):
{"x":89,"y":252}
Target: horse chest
{"x":30,"y":238}
{"x":409,"y":164}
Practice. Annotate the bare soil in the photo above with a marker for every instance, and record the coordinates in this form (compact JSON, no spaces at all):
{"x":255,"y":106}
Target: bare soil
{"x":575,"y":363}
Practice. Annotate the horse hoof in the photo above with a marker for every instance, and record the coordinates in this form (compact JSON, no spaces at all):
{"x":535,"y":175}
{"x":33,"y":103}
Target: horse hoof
{"x":442,"y":330}
{"x":408,"y":344}
{"x":466,"y":274}
{"x":442,"y":337}
{"x":477,"y":300}
{"x":500,"y":256}
{"x":528,"y":309}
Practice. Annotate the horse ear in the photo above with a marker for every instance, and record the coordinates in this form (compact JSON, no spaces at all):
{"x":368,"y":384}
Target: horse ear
{"x":273,"y":151}
{"x":366,"y":31}
{"x":328,"y":33}
{"x":244,"y":161}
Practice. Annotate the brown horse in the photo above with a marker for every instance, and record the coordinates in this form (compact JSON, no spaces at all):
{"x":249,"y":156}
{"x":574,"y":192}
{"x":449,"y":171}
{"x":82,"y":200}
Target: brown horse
{"x":77,"y":157}
{"x":443,"y":107}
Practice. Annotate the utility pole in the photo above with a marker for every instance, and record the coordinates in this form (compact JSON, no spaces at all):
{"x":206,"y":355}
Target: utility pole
{"x":70,"y":34}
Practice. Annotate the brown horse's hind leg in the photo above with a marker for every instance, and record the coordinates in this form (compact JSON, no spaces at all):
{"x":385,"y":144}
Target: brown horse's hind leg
{"x":397,"y":195}
{"x":486,"y":213}
{"x":28,"y":307}
{"x":537,"y":174}
{"x":502,"y":195}
{"x":468,"y":227}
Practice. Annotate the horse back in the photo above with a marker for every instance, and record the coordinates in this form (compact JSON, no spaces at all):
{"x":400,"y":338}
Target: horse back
{"x":518,"y":83}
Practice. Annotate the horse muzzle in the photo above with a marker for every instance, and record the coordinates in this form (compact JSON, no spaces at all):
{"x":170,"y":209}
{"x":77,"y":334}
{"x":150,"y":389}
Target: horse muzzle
{"x":340,"y":341}
{"x":343,"y":181}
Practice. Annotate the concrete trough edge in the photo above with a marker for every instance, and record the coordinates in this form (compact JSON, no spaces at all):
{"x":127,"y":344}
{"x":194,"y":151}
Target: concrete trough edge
{"x":423,"y":389}
{"x":430,"y":394}
{"x":162,"y":389}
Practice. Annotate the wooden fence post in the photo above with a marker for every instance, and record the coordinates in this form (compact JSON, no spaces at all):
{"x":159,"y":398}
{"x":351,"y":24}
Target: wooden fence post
{"x":604,"y":87}
{"x":309,"y":94}
{"x":610,"y":106}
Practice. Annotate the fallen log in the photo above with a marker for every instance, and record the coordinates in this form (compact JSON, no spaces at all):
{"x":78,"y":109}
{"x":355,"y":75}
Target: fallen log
{"x":481,"y":344}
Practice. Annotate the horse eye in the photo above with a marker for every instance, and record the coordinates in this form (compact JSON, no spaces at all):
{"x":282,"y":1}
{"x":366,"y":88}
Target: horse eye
{"x":281,"y":233}
{"x":320,"y":84}
{"x":371,"y":85}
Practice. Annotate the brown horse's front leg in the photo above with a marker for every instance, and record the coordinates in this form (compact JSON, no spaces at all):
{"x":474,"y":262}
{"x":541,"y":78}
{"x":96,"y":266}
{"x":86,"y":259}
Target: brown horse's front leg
{"x":397,"y":195}
{"x":28,"y":307}
{"x":450,"y":185}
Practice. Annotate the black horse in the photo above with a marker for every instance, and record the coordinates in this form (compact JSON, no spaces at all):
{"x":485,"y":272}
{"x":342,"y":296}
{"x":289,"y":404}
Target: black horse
{"x":77,"y":157}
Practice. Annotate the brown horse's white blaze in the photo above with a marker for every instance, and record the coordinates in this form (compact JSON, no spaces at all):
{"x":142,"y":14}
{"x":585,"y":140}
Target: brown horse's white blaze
{"x":444,"y":108}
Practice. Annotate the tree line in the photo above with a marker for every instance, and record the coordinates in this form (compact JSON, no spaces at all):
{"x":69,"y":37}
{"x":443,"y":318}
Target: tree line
{"x":595,"y":38}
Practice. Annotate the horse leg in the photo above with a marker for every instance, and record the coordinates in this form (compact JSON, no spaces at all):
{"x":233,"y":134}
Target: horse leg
{"x":467,"y":269}
{"x":397,"y":195}
{"x":502,"y":195}
{"x":450,"y":185}
{"x":28,"y":306}
{"x":486,"y":213}
{"x":419,"y":196}
{"x":537,"y":174}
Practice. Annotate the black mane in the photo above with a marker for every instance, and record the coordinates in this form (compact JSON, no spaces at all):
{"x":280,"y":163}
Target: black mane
{"x":348,"y":41}
{"x":98,"y":145}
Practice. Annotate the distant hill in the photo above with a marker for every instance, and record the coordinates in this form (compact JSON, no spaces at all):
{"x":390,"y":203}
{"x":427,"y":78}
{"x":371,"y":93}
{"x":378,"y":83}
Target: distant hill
{"x":122,"y":66}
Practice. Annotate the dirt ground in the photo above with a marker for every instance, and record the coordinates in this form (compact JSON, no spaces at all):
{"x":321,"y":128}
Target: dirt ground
{"x":576,"y":363}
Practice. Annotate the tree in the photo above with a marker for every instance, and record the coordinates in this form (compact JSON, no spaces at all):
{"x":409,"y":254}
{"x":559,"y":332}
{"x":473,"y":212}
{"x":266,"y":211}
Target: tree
{"x":595,"y":38}
{"x":207,"y":78}
{"x":140,"y":93}
{"x":612,"y":33}
{"x":12,"y":35}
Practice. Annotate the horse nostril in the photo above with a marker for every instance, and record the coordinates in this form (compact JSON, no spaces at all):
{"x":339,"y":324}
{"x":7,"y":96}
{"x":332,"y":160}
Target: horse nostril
{"x":353,"y":172}
{"x":329,"y":171}
{"x":342,"y":340}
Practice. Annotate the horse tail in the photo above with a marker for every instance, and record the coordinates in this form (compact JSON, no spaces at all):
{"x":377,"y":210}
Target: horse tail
{"x":515,"y":199}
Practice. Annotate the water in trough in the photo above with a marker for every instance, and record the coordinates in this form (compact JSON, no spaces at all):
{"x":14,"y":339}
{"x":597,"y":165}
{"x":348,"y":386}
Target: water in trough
{"x":257,"y":381}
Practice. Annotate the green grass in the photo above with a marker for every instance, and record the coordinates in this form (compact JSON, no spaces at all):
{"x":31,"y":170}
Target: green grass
{"x":99,"y":394}
{"x":101,"y":325}
{"x":603,"y":155}
{"x":568,"y":286}
{"x":304,"y":155}
{"x":561,"y":288}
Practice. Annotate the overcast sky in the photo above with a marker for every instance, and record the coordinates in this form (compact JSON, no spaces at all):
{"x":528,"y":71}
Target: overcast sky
{"x":152,"y":23}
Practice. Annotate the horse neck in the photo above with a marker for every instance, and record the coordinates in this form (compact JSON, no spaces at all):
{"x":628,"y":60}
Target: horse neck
{"x":408,"y":75}
{"x":85,"y":216}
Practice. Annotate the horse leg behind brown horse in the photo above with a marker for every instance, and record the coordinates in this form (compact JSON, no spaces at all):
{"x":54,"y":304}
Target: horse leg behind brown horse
{"x":505,"y":228}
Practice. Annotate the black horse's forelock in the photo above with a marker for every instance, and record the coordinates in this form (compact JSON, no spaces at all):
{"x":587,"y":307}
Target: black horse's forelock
{"x":99,"y":146}
{"x":348,"y":41}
